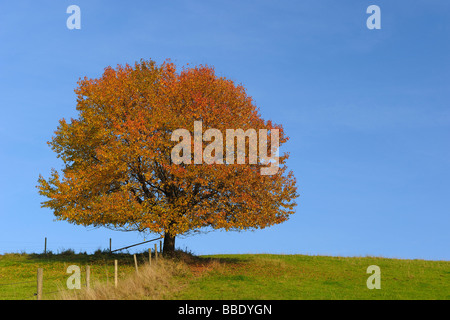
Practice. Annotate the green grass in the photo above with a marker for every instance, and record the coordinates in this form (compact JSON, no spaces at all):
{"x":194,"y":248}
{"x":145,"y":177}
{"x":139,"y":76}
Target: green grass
{"x":243,"y":276}
{"x":318,"y":277}
{"x":18,"y":272}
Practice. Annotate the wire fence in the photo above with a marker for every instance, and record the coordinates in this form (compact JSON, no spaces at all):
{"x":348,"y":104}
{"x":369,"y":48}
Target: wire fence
{"x":56,"y":272}
{"x":7,"y":246}
{"x":27,"y":290}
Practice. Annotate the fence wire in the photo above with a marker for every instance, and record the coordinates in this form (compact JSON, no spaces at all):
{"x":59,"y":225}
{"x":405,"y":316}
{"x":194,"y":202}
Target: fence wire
{"x":17,"y":292}
{"x":27,"y":290}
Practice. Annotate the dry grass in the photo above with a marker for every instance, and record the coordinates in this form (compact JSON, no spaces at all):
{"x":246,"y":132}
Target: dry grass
{"x":150,"y":283}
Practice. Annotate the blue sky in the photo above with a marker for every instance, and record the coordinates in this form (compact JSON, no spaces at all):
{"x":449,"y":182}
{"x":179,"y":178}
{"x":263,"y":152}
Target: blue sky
{"x":367,"y":113}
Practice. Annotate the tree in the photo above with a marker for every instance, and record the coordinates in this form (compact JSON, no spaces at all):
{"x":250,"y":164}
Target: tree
{"x":118,"y":170}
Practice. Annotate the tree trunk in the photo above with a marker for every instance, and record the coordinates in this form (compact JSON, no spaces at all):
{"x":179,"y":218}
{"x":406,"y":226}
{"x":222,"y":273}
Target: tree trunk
{"x":169,"y":245}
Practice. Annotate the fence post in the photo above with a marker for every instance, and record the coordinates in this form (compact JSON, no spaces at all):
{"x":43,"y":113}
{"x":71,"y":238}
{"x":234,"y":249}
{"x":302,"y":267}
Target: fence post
{"x":110,"y":245}
{"x":160,"y":246}
{"x":150,"y":256}
{"x":88,"y":277}
{"x":156,"y":254}
{"x":40,"y":280}
{"x":135,"y":263}
{"x":115,"y":273}
{"x":45,"y":246}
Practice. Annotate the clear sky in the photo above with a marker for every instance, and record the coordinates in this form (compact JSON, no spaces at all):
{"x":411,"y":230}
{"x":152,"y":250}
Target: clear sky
{"x":367,"y":113}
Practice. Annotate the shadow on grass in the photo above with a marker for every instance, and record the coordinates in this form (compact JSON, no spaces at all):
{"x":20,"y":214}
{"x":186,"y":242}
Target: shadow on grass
{"x":70,"y":256}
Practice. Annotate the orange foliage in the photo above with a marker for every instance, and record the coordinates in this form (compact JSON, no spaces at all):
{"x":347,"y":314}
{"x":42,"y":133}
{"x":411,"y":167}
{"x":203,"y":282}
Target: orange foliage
{"x":118,"y":171}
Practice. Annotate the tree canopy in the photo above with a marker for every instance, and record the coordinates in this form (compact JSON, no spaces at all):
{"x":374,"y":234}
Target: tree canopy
{"x":118,"y":170}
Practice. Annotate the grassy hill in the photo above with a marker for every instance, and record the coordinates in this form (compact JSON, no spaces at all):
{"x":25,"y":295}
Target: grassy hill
{"x":262,"y":276}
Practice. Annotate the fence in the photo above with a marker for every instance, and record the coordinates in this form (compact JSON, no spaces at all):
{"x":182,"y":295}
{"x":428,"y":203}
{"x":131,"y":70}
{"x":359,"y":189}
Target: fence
{"x":44,"y":287}
{"x":12,"y":245}
{"x":28,"y":290}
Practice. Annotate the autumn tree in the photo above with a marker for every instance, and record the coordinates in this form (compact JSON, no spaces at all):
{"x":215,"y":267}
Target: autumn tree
{"x":118,"y":170}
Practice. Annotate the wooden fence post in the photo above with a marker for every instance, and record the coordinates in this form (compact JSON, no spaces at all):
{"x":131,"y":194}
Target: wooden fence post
{"x":45,"y":246}
{"x":115,"y":273}
{"x":150,"y":256}
{"x":156,"y":254}
{"x":40,"y":280}
{"x":135,"y":263}
{"x":88,"y":277}
{"x":110,"y":245}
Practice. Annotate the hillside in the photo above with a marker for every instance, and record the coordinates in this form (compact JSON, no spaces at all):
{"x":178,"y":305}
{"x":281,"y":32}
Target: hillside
{"x":262,"y":276}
